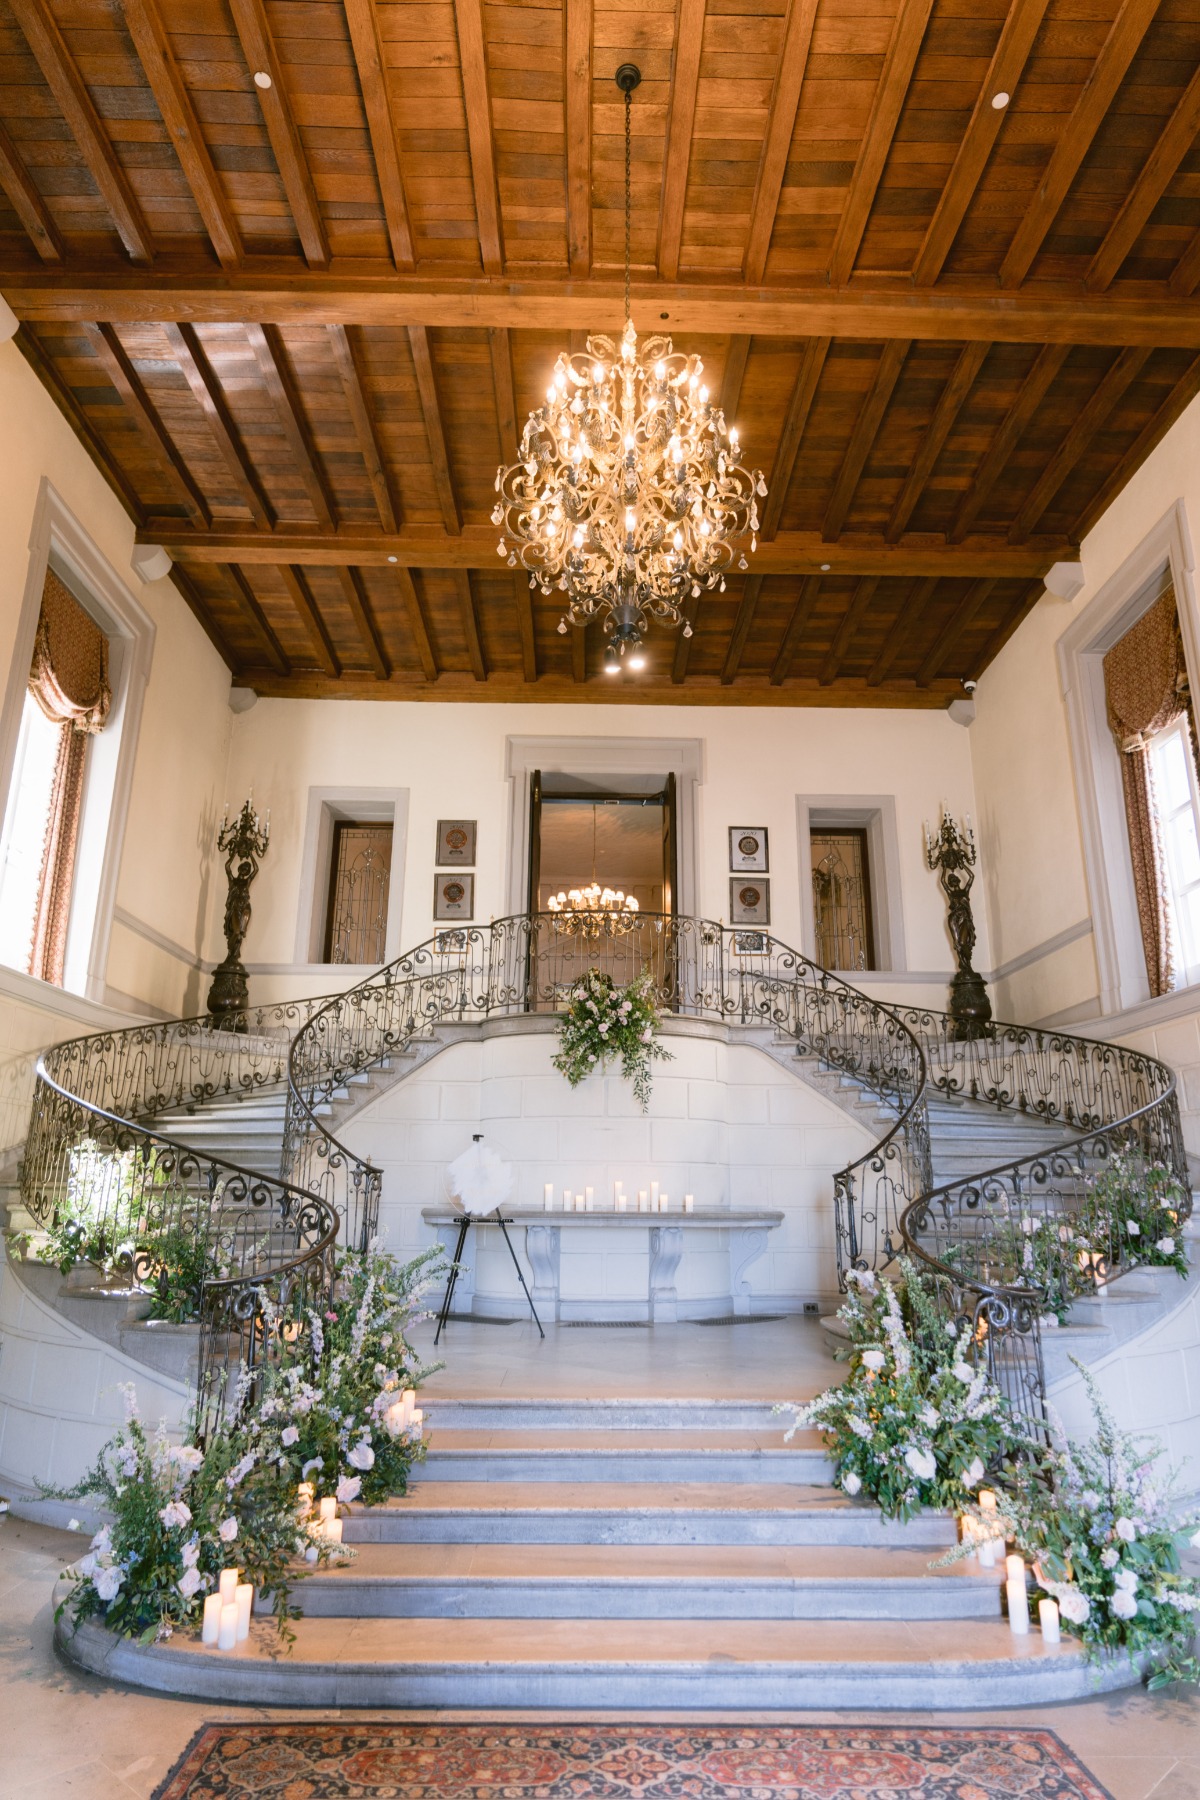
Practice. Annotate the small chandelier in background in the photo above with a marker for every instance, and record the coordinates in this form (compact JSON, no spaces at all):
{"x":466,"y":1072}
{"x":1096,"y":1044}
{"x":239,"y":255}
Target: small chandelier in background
{"x":593,"y":911}
{"x":629,"y":496}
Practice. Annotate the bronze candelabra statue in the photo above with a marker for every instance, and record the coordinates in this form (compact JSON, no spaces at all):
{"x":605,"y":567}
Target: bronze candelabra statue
{"x":951,"y":852}
{"x":243,"y":842}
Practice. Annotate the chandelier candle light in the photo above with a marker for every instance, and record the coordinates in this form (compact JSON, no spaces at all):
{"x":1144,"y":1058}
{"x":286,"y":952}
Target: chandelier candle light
{"x":629,"y":496}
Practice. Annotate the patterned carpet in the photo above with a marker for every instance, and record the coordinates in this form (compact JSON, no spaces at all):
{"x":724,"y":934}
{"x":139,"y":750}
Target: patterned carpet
{"x":380,"y":1760}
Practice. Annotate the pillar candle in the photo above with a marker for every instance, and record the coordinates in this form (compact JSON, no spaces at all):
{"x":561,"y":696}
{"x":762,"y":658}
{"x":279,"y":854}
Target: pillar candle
{"x":987,"y":1500}
{"x":212,"y":1619}
{"x":689,"y":1203}
{"x":987,"y":1553}
{"x":1014,"y":1567}
{"x":245,"y":1606}
{"x":579,"y":1203}
{"x":227,"y":1630}
{"x":328,"y":1509}
{"x":616,"y":1196}
{"x":664,"y":1204}
{"x":1048,"y":1619}
{"x":304,"y":1498}
{"x":568,"y":1199}
{"x":408,"y":1399}
{"x":331,"y":1531}
{"x":589,"y":1195}
{"x":622,"y":1202}
{"x":549,"y":1195}
{"x":643,"y":1200}
{"x":654,"y":1196}
{"x":227,"y":1585}
{"x":418,"y":1423}
{"x":1018,"y":1606}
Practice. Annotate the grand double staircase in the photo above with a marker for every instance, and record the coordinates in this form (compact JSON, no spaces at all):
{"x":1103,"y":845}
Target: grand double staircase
{"x":594,"y":1550}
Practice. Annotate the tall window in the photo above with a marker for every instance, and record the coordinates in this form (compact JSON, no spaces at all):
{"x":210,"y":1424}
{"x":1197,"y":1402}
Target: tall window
{"x":67,"y":703}
{"x":842,"y":898}
{"x":360,"y":871}
{"x":1150,"y":714}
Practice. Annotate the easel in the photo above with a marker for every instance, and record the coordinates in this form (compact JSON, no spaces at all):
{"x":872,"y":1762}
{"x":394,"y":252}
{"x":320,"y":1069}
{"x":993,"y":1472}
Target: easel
{"x":464,"y":1226}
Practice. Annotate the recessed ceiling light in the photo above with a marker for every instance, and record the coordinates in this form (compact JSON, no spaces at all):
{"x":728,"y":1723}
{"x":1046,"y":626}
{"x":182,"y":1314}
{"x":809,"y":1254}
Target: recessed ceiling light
{"x":261,"y":78}
{"x":1000,"y":101}
{"x":393,"y":559}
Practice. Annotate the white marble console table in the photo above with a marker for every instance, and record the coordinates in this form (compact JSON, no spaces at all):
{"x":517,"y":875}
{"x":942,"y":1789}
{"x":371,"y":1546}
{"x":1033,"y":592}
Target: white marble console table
{"x":615,"y":1266}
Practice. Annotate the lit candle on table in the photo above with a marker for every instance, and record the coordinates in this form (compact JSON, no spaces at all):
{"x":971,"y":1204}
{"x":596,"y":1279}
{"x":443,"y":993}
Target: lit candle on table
{"x":622,"y":1202}
{"x":227,"y":1585}
{"x":654,"y":1196}
{"x":579,"y":1203}
{"x":244,"y":1598}
{"x":1048,"y":1620}
{"x":227,"y":1630}
{"x":549,"y":1195}
{"x":689,"y":1203}
{"x":664,"y":1203}
{"x":589,"y":1197}
{"x":568,"y":1199}
{"x":643,"y":1200}
{"x":328,"y":1509}
{"x":1018,"y":1597}
{"x":211,"y":1628}
{"x":987,"y":1538}
{"x":332,"y":1531}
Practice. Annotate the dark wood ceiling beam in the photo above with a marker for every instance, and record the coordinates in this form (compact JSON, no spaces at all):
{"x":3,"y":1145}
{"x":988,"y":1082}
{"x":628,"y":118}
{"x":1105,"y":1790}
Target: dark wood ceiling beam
{"x":804,"y":392}
{"x":85,"y":125}
{"x":1157,"y":172}
{"x":1004,"y":72}
{"x":96,"y":446}
{"x":508,"y":688}
{"x":681,"y":119}
{"x":416,"y":623}
{"x":1033,"y":391}
{"x":905,"y":628}
{"x":526,"y":627}
{"x":1185,"y":276}
{"x":732,"y":377}
{"x":904,"y":47}
{"x":114,"y":359}
{"x":27,"y":202}
{"x":263,"y":630}
{"x":578,"y":653}
{"x":470,"y":623}
{"x":269,"y":348}
{"x":741,"y":628}
{"x":862,"y":438}
{"x":472,"y":54}
{"x":1075,"y":136}
{"x":864,"y":593}
{"x":201,"y":378}
{"x":296,"y":583}
{"x":435,"y":433}
{"x":1151,"y":434}
{"x":577,"y":103}
{"x":962,"y":313}
{"x":171,"y":96}
{"x":500,"y":347}
{"x":358,"y":601}
{"x":258,"y":47}
{"x":1088,"y":421}
{"x":427,"y":547}
{"x":777,"y":143}
{"x":362,"y":17}
{"x":810,"y":588}
{"x":354,"y":387}
{"x":933,"y":439}
{"x":963,"y":616}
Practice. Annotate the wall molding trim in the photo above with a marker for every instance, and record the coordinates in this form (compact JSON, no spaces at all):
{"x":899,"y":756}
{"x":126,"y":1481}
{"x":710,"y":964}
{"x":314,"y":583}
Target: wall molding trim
{"x":160,"y":941}
{"x":43,"y":996}
{"x":1039,"y":952}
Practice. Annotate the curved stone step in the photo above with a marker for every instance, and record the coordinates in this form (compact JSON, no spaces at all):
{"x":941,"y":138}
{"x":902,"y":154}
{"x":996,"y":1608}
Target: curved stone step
{"x":623,"y":1581}
{"x":761,"y":1664}
{"x":501,"y":1413}
{"x":635,"y":1456}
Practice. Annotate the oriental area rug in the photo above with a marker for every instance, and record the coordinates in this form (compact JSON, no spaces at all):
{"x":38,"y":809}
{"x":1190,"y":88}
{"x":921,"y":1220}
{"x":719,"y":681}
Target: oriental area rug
{"x":382,"y":1760}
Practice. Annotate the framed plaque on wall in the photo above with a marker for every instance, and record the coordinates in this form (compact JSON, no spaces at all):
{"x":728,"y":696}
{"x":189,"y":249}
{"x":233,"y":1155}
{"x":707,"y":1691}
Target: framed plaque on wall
{"x":454,"y":896}
{"x":749,"y":901}
{"x":455,"y":843}
{"x":748,"y":848}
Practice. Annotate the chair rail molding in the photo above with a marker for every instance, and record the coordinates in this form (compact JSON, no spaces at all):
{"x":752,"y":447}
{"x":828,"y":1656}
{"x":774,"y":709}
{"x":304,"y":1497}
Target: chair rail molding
{"x":1164,"y":553}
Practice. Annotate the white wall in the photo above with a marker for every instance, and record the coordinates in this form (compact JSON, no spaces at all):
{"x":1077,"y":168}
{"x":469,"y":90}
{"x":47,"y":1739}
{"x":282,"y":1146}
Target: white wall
{"x":754,"y":764}
{"x":725,"y":1123}
{"x":163,"y":894}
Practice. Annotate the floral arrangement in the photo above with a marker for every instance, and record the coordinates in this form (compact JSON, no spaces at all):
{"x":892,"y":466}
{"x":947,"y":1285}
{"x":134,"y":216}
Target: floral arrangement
{"x":1104,"y":1536}
{"x":334,"y":1418}
{"x":917,"y":1423}
{"x":602,"y":1021}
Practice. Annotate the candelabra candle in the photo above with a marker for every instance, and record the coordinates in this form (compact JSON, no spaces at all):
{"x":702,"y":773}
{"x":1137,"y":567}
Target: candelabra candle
{"x":244,"y":1599}
{"x":211,"y":1628}
{"x":227,"y":1583}
{"x":1048,"y":1620}
{"x":228,"y":1628}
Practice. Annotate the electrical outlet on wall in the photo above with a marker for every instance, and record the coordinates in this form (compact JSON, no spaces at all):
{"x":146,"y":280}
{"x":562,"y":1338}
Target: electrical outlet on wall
{"x":811,"y":1307}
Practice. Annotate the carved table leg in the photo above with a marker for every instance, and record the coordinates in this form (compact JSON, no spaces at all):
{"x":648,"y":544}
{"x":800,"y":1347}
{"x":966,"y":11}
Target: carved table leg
{"x":666,"y":1249}
{"x":746,"y":1245}
{"x":542,"y":1246}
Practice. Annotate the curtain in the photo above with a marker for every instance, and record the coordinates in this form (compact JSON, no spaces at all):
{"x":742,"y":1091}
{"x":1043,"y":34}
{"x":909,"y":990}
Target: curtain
{"x":1146,"y":688}
{"x":69,"y":681}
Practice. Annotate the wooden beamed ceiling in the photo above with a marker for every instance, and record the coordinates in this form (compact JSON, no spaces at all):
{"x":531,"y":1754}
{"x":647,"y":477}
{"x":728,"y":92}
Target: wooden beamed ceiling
{"x":298,"y":320}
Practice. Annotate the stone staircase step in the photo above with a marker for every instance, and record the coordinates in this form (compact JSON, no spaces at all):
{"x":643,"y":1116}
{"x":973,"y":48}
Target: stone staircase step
{"x":545,"y":1512}
{"x":501,"y":1413}
{"x":760,"y":1664}
{"x":633,"y":1456}
{"x":544,"y":1581}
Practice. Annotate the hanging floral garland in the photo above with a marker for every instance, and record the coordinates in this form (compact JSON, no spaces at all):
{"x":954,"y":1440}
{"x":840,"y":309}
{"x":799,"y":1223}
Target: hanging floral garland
{"x":602,"y":1021}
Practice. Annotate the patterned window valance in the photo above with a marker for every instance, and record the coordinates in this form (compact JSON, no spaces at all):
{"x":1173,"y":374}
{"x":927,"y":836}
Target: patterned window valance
{"x":69,"y":674}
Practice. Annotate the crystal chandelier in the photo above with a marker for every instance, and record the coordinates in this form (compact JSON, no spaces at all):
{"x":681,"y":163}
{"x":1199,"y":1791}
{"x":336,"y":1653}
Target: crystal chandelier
{"x":629,"y":495}
{"x":593,"y":911}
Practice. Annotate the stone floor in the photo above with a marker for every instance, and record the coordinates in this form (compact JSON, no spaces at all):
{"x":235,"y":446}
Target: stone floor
{"x":73,"y":1737}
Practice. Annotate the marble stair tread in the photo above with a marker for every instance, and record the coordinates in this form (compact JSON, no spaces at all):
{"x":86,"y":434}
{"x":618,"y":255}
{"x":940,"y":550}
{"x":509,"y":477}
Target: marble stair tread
{"x":504,"y":1414}
{"x":651,"y":1562}
{"x":684,"y":1438}
{"x":631,"y":1456}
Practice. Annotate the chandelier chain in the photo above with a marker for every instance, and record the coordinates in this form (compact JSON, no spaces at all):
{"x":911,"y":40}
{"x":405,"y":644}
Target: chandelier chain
{"x":628,"y":198}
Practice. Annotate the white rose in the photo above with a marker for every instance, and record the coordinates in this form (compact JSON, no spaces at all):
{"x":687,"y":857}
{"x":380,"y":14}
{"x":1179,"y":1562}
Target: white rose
{"x":851,"y":1482}
{"x":1165,"y":1246}
{"x":1110,"y":1557}
{"x":362,"y":1456}
{"x":873,"y":1360}
{"x":289,"y":1436}
{"x":348,"y":1489}
{"x":189,"y":1583}
{"x":923,"y":1463}
{"x":107,"y":1583}
{"x":964,"y":1372}
{"x":1124,"y":1604}
{"x":1127,"y":1579}
{"x":1126,"y":1530}
{"x":972,"y":1474}
{"x":191,"y":1555}
{"x":1133,"y":1228}
{"x":1074,"y":1606}
{"x":227,"y":1530}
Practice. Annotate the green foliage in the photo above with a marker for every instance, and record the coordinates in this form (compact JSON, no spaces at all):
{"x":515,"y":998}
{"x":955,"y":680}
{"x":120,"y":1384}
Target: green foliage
{"x":916,"y":1423}
{"x":603,"y":1021}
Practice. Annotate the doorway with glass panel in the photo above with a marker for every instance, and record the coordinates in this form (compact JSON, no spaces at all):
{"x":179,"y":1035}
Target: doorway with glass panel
{"x":586,"y":838}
